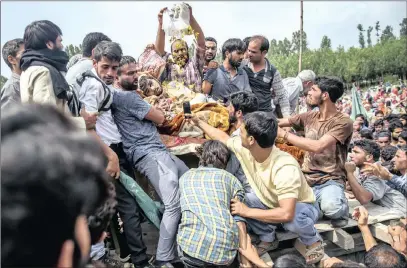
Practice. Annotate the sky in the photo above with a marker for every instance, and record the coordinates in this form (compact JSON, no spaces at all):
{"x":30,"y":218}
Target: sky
{"x":134,"y":24}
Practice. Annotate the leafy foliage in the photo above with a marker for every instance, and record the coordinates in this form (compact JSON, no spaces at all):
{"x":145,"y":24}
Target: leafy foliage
{"x":72,"y":50}
{"x":3,"y":80}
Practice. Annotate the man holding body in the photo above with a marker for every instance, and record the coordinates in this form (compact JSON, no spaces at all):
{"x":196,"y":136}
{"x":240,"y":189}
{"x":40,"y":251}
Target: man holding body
{"x":280,"y":191}
{"x":265,"y":80}
{"x":95,"y":93}
{"x":369,"y":188}
{"x":298,"y":86}
{"x":219,"y":83}
{"x":327,"y":137}
{"x":136,"y":121}
{"x":12,"y":51}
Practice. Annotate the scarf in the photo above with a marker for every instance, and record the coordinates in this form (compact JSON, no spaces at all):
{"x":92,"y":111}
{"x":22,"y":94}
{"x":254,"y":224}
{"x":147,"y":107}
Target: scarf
{"x":55,"y":61}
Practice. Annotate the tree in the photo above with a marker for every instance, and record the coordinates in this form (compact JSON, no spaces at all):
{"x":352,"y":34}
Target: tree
{"x":72,"y":50}
{"x":361,"y":36}
{"x":369,"y":36}
{"x":377,"y":28}
{"x":403,"y":27}
{"x":296,"y":42}
{"x":387,"y":34}
{"x":326,"y":42}
{"x":3,"y":80}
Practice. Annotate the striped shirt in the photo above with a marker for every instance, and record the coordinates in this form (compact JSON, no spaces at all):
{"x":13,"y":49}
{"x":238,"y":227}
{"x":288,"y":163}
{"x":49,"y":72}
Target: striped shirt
{"x":208,"y":231}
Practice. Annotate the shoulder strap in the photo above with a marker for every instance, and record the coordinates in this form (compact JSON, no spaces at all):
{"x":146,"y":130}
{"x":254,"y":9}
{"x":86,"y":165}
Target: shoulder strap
{"x":107,"y":92}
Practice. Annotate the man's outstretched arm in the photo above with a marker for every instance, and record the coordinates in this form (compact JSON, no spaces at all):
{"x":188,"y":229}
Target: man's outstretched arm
{"x":213,"y":133}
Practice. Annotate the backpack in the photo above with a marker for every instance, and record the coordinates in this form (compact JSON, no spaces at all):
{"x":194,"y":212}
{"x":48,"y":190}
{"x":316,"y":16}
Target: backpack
{"x":74,"y":103}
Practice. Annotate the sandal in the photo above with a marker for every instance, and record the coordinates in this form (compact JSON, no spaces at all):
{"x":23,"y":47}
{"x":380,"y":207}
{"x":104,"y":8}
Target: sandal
{"x":261,"y":249}
{"x":318,"y":251}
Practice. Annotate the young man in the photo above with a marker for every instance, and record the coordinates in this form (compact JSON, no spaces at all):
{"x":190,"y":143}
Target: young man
{"x":95,"y":92}
{"x":50,"y":206}
{"x":378,"y":126}
{"x":280,"y":192}
{"x":136,"y":121}
{"x":211,"y":46}
{"x":398,"y":183}
{"x":241,"y":104}
{"x":368,"y":188}
{"x":395,"y":128}
{"x":182,"y":69}
{"x":219,"y":83}
{"x":208,"y":235}
{"x":12,"y":51}
{"x":383,"y":139}
{"x":379,"y":115}
{"x":327,"y":137}
{"x":265,"y":80}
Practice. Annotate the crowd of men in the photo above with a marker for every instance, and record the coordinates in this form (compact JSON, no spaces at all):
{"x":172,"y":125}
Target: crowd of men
{"x":61,"y":187}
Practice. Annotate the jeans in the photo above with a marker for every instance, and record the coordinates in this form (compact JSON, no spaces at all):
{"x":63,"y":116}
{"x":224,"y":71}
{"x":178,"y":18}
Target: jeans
{"x":129,"y":211}
{"x":332,"y":200}
{"x":163,"y":170}
{"x":191,"y":262}
{"x":306,"y":215}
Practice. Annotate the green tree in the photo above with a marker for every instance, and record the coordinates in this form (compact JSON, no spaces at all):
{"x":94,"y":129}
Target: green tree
{"x":403,"y":27}
{"x":361,"y":36}
{"x":387,"y":34}
{"x":377,"y":28}
{"x":3,"y":80}
{"x":326,"y":42}
{"x":72,"y":50}
{"x":369,"y":36}
{"x":296,"y":42}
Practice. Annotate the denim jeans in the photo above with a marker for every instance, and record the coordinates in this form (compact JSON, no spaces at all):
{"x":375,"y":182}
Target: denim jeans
{"x":332,"y":200}
{"x":191,"y":262}
{"x":306,"y":215}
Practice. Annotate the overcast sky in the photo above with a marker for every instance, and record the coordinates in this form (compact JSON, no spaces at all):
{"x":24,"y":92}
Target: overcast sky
{"x":134,"y":24}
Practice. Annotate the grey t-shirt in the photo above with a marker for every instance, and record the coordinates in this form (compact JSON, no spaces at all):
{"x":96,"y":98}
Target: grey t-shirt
{"x":139,"y":135}
{"x":383,"y":195}
{"x":223,"y":85}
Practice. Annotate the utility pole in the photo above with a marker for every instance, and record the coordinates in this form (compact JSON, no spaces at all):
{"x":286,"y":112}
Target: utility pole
{"x":301,"y":33}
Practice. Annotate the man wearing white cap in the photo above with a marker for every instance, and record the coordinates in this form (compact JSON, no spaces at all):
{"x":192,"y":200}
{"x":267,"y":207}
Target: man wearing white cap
{"x":298,"y":86}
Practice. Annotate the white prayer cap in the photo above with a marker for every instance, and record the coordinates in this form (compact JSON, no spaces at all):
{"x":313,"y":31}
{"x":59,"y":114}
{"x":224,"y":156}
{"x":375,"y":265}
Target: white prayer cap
{"x":307,"y":75}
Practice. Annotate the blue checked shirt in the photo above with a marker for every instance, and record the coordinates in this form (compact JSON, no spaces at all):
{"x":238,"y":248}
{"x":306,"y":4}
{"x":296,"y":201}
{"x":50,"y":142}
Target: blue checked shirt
{"x":208,"y":231}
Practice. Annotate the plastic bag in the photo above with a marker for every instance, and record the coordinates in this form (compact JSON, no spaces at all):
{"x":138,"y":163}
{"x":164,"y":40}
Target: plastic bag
{"x":149,"y":60}
{"x":176,"y":20}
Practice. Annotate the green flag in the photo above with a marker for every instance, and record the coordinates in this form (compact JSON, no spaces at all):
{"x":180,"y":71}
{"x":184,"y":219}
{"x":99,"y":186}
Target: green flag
{"x":357,"y":105}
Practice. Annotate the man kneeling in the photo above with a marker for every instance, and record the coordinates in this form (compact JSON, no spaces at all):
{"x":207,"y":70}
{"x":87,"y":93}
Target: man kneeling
{"x":280,"y":191}
{"x":208,"y":234}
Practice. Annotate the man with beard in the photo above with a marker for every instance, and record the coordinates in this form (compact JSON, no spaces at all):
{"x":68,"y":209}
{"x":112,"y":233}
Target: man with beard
{"x":219,"y":83}
{"x":96,"y":95}
{"x":211,"y":46}
{"x":136,"y":121}
{"x":181,"y":68}
{"x":327,"y":137}
{"x":12,"y":51}
{"x":395,"y":128}
{"x":265,"y":80}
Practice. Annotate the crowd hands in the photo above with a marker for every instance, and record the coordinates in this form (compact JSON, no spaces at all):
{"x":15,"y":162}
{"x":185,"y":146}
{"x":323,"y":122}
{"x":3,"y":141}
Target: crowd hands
{"x":102,"y":119}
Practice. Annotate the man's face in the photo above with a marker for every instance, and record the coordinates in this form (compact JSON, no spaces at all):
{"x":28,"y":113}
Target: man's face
{"x":401,"y":141}
{"x":403,"y":121}
{"x":57,"y":45}
{"x":232,"y":114}
{"x":210,"y":52}
{"x":15,"y":61}
{"x":254,"y":53}
{"x":315,"y":96}
{"x":379,"y":116}
{"x":383,"y":142}
{"x":306,"y":85}
{"x":358,"y":156}
{"x":150,"y":86}
{"x":368,"y":107}
{"x":106,"y":69}
{"x":396,"y":133}
{"x":180,"y":52}
{"x":400,"y":160}
{"x":360,"y":120}
{"x":128,"y":77}
{"x":235,"y":58}
{"x":356,"y":126}
{"x":378,"y":128}
{"x":246,"y":140}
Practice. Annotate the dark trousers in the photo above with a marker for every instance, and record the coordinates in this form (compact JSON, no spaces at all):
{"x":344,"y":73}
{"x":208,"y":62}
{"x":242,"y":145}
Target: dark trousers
{"x":129,"y":211}
{"x":191,"y":262}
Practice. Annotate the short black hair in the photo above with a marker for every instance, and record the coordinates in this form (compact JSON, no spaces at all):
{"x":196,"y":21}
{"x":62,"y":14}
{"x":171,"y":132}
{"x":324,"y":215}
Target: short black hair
{"x":387,"y":153}
{"x":332,"y":85}
{"x":11,"y":48}
{"x":233,"y":44}
{"x":90,"y":42}
{"x":403,"y":135}
{"x":290,"y":260}
{"x":403,"y":116}
{"x":379,"y":122}
{"x":383,"y":255}
{"x":378,"y":112}
{"x":262,"y":126}
{"x":403,"y":148}
{"x":264,"y":42}
{"x":369,"y":147}
{"x":383,"y":134}
{"x":111,"y":50}
{"x":244,"y":101}
{"x":124,"y":61}
{"x":38,"y":33}
{"x":246,"y":41}
{"x":347,"y":264}
{"x":211,"y":39}
{"x":360,"y":115}
{"x":392,"y":117}
{"x":395,"y":124}
{"x":213,"y":153}
{"x":366,"y":134}
{"x":47,"y":184}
